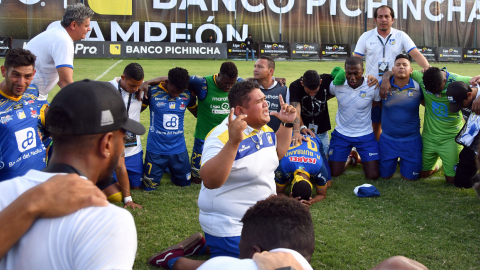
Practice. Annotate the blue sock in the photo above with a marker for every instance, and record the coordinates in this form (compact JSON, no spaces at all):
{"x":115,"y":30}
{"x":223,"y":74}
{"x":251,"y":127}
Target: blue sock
{"x":203,"y":251}
{"x":171,"y":262}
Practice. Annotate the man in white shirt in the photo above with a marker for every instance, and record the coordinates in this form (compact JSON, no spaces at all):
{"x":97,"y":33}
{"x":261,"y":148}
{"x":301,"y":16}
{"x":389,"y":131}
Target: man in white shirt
{"x":380,"y":46}
{"x":55,"y":51}
{"x":354,"y":124}
{"x":249,"y":153}
{"x":129,"y":172}
{"x":88,"y":143}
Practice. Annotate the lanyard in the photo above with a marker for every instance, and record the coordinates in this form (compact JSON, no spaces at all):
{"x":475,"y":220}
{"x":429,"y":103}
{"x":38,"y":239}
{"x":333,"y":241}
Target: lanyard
{"x":129,"y":98}
{"x":384,"y":45}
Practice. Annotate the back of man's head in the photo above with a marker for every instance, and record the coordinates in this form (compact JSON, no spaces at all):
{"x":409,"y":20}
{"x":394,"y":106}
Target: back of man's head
{"x":77,"y":13}
{"x":433,"y":80}
{"x":311,"y":79}
{"x":239,"y":94}
{"x":270,"y":61}
{"x":229,"y":69}
{"x":302,"y":189}
{"x":19,"y":58}
{"x":134,"y":71}
{"x":277,"y":222}
{"x":179,"y":78}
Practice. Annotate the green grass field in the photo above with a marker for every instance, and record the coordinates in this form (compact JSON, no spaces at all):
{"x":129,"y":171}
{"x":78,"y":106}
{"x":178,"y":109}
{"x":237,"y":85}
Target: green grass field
{"x":428,"y":220}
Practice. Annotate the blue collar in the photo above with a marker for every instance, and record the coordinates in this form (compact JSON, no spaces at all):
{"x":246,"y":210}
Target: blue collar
{"x":410,"y":84}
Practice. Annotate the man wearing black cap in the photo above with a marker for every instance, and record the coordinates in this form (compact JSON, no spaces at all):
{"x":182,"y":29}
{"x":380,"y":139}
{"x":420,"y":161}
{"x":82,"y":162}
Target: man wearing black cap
{"x":88,"y":122}
{"x":461,"y":97}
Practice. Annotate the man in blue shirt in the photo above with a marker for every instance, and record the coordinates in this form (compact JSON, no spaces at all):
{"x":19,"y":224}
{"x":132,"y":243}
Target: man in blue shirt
{"x":166,"y":141}
{"x":304,"y":165}
{"x":401,"y":124}
{"x":21,"y":148}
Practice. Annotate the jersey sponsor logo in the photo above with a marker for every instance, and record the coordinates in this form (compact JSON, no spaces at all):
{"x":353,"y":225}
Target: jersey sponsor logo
{"x":439,"y":109}
{"x":269,"y":138}
{"x":5,"y":119}
{"x":303,"y":160}
{"x":243,"y":148}
{"x":152,"y":129}
{"x":172,"y":99}
{"x":33,"y":113}
{"x":170,"y":121}
{"x":182,"y":106}
{"x":219,"y":98}
{"x":372,"y":154}
{"x":415,"y":173}
{"x":2,"y":165}
{"x":451,"y":100}
{"x":171,"y":105}
{"x":18,"y":106}
{"x":21,"y":114}
{"x":161,"y":104}
{"x":271,"y":97}
{"x":220,"y":109}
{"x":161,"y":98}
{"x":25,"y":139}
{"x":27,"y":102}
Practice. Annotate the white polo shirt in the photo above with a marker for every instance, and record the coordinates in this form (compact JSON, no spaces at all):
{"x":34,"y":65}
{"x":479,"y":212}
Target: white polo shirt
{"x":53,"y":49}
{"x":133,"y":113}
{"x":230,"y":263}
{"x":91,"y":238}
{"x":251,"y":179}
{"x":354,"y":108}
{"x":371,"y":44}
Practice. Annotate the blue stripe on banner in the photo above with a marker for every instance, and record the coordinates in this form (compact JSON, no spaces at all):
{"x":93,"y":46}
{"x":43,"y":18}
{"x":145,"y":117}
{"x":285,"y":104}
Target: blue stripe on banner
{"x":59,"y":66}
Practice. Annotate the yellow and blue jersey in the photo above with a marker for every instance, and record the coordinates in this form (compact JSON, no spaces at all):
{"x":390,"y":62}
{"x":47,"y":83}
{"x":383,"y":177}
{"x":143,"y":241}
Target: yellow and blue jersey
{"x":305,"y":158}
{"x":166,"y":135}
{"x":21,"y":148}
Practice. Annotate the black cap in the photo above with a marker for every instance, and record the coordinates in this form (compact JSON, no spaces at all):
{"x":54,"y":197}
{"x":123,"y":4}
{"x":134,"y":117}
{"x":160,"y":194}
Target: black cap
{"x":457,"y":92}
{"x":89,"y":107}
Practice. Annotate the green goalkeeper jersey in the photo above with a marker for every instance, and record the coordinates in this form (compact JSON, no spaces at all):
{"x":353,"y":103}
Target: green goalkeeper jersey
{"x":438,"y":121}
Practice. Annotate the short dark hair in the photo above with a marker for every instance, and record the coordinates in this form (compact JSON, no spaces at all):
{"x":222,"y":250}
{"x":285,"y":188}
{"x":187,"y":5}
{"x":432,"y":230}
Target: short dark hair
{"x":271,"y":62}
{"x":229,"y":69}
{"x":279,"y":222}
{"x":311,"y":79}
{"x":392,"y":13}
{"x":19,"y":58}
{"x":302,"y":189}
{"x":239,"y":94}
{"x":433,"y":80}
{"x":179,"y":78}
{"x":402,"y":56}
{"x":134,"y":71}
{"x":78,"y":13}
{"x":353,"y":61}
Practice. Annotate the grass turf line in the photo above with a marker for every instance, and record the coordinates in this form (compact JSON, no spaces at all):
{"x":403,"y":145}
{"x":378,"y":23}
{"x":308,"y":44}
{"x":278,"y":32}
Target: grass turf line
{"x":429,"y":221}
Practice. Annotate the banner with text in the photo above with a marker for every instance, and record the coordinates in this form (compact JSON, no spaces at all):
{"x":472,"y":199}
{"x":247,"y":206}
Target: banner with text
{"x":236,"y":49}
{"x":446,"y":54}
{"x":309,"y":51}
{"x":471,"y":54}
{"x":335,"y":51}
{"x":430,"y":53}
{"x":275,"y":49}
{"x":432,"y":22}
{"x":5,"y":45}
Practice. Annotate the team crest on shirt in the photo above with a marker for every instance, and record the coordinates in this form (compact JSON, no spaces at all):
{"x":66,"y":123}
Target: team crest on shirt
{"x":438,"y":95}
{"x":171,"y":105}
{"x":269,"y":138}
{"x":363,"y":94}
{"x":330,"y":152}
{"x":392,"y":41}
{"x":21,"y":114}
{"x":410,"y":93}
{"x":278,"y":174}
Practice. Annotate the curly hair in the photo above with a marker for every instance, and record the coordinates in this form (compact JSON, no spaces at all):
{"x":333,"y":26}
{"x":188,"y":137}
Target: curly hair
{"x":433,"y":80}
{"x":77,"y":13}
{"x":18,"y":58}
{"x":179,"y":78}
{"x":302,"y":189}
{"x":279,"y":222}
{"x":311,"y":79}
{"x":239,"y":94}
{"x":134,"y":71}
{"x":229,"y":69}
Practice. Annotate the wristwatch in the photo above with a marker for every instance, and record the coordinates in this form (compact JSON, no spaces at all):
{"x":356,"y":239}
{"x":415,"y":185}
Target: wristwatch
{"x":287,"y":125}
{"x":302,"y":127}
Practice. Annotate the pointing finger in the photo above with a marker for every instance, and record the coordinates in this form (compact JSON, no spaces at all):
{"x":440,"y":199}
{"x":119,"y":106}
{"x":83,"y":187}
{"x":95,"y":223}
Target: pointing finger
{"x":280,"y":98}
{"x":230,"y":116}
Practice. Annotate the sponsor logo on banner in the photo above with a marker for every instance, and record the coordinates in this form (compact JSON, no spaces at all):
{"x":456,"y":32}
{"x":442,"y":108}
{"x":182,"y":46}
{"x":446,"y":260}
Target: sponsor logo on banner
{"x":115,"y":49}
{"x":85,"y":50}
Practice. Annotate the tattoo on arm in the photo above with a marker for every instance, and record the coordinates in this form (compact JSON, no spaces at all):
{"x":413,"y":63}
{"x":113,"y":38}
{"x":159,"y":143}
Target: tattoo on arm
{"x":296,"y":124}
{"x":295,"y":104}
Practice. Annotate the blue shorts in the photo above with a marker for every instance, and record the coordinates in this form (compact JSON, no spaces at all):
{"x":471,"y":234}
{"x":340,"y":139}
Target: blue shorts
{"x":156,"y":164}
{"x":223,"y":246}
{"x":134,"y":166}
{"x":341,"y":146}
{"x":197,"y":157}
{"x":409,"y":152}
{"x":376,"y":114}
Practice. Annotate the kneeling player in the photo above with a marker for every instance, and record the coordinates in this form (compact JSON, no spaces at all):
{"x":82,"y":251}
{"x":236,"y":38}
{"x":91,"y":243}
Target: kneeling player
{"x":401,"y":124}
{"x":304,"y":165}
{"x":166,"y":146}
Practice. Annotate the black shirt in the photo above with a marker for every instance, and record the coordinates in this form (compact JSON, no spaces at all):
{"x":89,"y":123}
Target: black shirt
{"x":249,"y":43}
{"x":318,"y":115}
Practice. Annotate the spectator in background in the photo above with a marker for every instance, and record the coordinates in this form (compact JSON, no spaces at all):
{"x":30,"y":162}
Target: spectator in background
{"x":210,"y":39}
{"x":249,"y":47}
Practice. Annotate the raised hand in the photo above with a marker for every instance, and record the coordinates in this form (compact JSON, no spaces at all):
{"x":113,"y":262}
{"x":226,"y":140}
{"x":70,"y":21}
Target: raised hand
{"x":287,"y":112}
{"x":236,"y":127}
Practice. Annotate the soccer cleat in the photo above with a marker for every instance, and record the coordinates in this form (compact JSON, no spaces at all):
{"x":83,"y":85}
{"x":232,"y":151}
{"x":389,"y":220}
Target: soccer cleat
{"x":161,"y":258}
{"x":193,"y":244}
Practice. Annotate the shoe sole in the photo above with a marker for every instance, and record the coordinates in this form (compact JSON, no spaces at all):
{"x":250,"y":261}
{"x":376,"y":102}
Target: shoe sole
{"x":191,"y":241}
{"x":177,"y":246}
